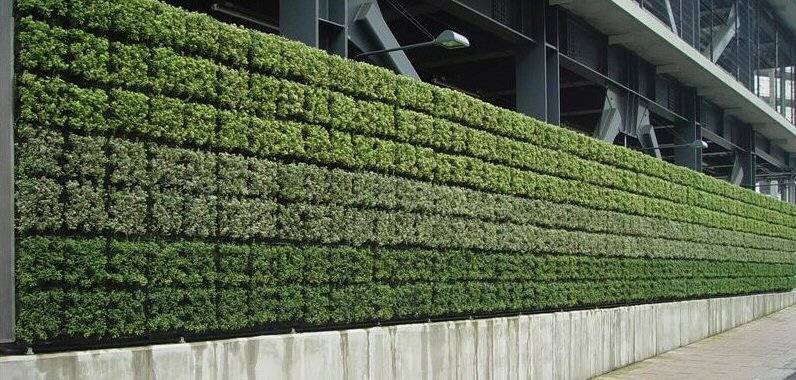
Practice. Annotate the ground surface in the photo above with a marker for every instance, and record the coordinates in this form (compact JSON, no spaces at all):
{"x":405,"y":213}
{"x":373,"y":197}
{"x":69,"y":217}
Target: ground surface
{"x":761,"y":349}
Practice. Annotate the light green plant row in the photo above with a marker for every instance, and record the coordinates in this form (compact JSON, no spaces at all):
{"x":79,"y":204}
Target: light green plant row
{"x":84,"y":162}
{"x":158,"y":24}
{"x":113,"y":62}
{"x":283,"y":205}
{"x":101,"y":287}
{"x":85,"y":110}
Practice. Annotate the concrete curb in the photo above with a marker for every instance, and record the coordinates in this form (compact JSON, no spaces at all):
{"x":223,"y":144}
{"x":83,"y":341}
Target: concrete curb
{"x":575,"y":344}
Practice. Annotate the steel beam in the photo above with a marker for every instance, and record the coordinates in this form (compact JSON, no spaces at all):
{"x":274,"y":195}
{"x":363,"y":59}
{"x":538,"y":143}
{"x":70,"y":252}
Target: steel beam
{"x":611,"y":118}
{"x":7,"y":295}
{"x":672,"y":22}
{"x":492,"y":27}
{"x":737,"y":173}
{"x":368,"y":31}
{"x":645,"y":132}
{"x":721,"y":39}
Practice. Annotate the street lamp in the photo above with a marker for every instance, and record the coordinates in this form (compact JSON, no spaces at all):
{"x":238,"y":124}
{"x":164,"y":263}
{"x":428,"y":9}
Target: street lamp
{"x":696,"y":144}
{"x":448,"y":39}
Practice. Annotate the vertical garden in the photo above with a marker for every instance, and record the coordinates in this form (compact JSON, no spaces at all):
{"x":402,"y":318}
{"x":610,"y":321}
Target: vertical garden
{"x":178,"y":175}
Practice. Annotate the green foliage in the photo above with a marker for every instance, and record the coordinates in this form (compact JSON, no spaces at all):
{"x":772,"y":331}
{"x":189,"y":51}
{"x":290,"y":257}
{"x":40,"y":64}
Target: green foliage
{"x":233,"y":130}
{"x":266,"y":52}
{"x":246,"y":218}
{"x":125,"y":314}
{"x":38,"y":204}
{"x":128,"y":111}
{"x":135,"y":19}
{"x":259,"y":285}
{"x":84,"y":208}
{"x":39,"y":262}
{"x":216,"y":178}
{"x":42,"y":8}
{"x":128,"y":161}
{"x":38,"y":152}
{"x":90,"y":14}
{"x":302,"y":62}
{"x":129,"y":66}
{"x":129,"y":262}
{"x":165,"y":119}
{"x":201,"y":33}
{"x":200,"y":216}
{"x":127,"y":211}
{"x":263,"y":92}
{"x":84,"y":157}
{"x":89,"y":56}
{"x":233,"y":88}
{"x":40,"y":315}
{"x":41,"y":100}
{"x":42,"y":47}
{"x":189,"y":264}
{"x":234,"y":45}
{"x":185,"y":170}
{"x":200,"y":125}
{"x":84,"y":314}
{"x":85,"y":109}
{"x":186,"y":77}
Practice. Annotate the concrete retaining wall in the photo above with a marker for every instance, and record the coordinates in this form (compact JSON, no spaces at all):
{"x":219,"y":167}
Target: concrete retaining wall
{"x":564,"y":345}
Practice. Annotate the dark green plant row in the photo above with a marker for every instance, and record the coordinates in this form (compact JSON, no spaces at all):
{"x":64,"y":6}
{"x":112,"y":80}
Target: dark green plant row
{"x":157,"y":24}
{"x":230,"y":89}
{"x":85,"y":263}
{"x":77,"y":287}
{"x":269,"y":138}
{"x":180,"y":184}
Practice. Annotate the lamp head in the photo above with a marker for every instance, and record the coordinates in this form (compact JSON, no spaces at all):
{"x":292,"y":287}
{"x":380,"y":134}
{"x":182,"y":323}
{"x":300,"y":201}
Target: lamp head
{"x":451,"y":40}
{"x":699,"y":144}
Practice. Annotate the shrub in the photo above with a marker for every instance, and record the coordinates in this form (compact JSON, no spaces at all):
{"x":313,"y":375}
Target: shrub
{"x":211,"y":178}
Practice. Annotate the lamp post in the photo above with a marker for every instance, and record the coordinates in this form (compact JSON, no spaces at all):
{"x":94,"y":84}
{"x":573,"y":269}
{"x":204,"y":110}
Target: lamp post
{"x":448,"y":39}
{"x":696,"y":144}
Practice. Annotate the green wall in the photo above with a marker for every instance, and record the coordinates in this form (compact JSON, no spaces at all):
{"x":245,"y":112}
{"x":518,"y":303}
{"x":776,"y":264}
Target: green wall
{"x":176,"y":175}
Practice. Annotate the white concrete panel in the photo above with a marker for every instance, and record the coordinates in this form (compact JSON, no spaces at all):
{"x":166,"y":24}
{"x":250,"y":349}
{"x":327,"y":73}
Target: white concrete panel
{"x":542,"y":346}
{"x":464,"y":347}
{"x":500,"y":342}
{"x":562,"y":345}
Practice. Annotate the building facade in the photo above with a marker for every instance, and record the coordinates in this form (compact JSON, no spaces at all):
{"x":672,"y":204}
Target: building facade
{"x":654,"y":75}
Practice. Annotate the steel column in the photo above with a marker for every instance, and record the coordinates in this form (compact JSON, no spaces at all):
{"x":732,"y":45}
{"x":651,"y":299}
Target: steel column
{"x":7,"y":296}
{"x":298,"y":21}
{"x":537,"y":67}
{"x":746,"y":156}
{"x":688,"y":132}
{"x":317,"y":23}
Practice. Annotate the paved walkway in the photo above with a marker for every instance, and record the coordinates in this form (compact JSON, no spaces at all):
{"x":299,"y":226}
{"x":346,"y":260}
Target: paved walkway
{"x":761,"y":349}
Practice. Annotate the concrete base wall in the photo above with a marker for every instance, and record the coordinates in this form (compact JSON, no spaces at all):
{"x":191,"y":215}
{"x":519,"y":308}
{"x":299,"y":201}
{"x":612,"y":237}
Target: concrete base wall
{"x":563,"y":345}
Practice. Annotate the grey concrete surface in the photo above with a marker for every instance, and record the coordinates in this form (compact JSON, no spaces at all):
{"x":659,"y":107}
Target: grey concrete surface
{"x":563,"y":345}
{"x":761,"y":349}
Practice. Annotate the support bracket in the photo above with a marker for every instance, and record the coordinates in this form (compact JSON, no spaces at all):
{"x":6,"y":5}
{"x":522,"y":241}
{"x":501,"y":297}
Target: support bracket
{"x":369,"y":31}
{"x":722,"y":37}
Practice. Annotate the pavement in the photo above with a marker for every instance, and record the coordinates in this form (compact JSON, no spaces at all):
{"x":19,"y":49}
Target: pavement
{"x":762,"y":349}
